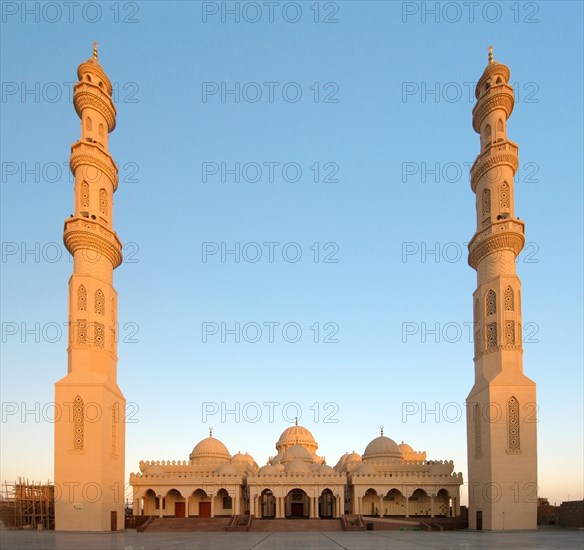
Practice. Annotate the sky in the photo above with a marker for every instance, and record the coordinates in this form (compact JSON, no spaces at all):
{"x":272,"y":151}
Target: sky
{"x":294,"y":203}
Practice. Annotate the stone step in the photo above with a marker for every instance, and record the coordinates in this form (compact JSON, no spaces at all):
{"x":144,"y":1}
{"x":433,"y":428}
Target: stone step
{"x":296,"y":525}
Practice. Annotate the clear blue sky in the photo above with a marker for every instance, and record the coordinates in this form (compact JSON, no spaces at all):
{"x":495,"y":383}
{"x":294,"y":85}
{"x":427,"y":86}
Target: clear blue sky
{"x":386,"y":98}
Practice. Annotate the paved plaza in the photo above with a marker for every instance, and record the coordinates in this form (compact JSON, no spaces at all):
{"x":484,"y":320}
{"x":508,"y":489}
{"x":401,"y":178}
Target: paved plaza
{"x":550,"y":539}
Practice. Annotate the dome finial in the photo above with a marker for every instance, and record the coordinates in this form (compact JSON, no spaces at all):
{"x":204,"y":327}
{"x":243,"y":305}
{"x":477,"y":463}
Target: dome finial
{"x":210,"y":431}
{"x":95,"y":51}
{"x":296,"y":421}
{"x":381,"y":429}
{"x":490,"y":54}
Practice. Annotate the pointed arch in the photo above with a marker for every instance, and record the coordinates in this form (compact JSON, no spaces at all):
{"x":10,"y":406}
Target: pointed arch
{"x":81,"y":298}
{"x":513,"y":429}
{"x":488,"y":136}
{"x":500,"y":126}
{"x":504,"y":196}
{"x":88,"y":124}
{"x":99,"y":302}
{"x":100,"y":130}
{"x":78,"y":423}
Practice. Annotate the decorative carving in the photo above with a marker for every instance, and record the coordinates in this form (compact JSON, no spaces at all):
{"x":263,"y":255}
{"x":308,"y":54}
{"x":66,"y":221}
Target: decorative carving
{"x":509,"y":299}
{"x":509,"y":332}
{"x":83,"y":154}
{"x":99,"y":302}
{"x":502,"y":99}
{"x":492,"y":243}
{"x":513,"y":435}
{"x":82,"y":331}
{"x":82,"y":239}
{"x":99,"y":335}
{"x":504,"y":195}
{"x":478,"y":431}
{"x":78,"y":421}
{"x":81,"y":298}
{"x":84,"y":194}
{"x":491,"y":302}
{"x":491,"y":336}
{"x":103,"y":202}
{"x":486,"y":202}
{"x":89,"y":95}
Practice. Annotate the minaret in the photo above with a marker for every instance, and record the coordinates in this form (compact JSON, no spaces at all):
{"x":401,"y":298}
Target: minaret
{"x":90,"y":431}
{"x":501,"y":407}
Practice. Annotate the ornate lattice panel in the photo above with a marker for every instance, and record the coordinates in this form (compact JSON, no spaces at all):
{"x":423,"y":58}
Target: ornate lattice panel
{"x":510,"y":331}
{"x":504,"y":195}
{"x":82,"y":331}
{"x":99,"y":302}
{"x":491,"y":336}
{"x":78,"y":421}
{"x":84,"y":194}
{"x":99,"y":335}
{"x":103,"y":202}
{"x":486,"y":203}
{"x":509,"y":299}
{"x":491,"y":302}
{"x":81,"y":298}
{"x":513,"y":425}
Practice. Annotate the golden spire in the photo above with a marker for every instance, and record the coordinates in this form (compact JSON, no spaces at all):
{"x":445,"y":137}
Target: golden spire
{"x":381,"y":428}
{"x":95,"y":51}
{"x":490,"y":54}
{"x":210,"y":431}
{"x":297,"y":421}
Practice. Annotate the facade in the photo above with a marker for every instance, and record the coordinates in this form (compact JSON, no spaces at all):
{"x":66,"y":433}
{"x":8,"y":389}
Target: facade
{"x":501,"y":407}
{"x":388,"y":480}
{"x":90,"y":432}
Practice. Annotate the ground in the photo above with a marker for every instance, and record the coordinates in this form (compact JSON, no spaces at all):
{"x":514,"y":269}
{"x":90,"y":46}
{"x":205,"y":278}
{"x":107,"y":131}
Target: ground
{"x":550,"y":539}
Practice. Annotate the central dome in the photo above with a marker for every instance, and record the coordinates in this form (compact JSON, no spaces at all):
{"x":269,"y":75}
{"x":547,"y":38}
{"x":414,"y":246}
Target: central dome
{"x":296,"y":435}
{"x":382,"y":447}
{"x":210,"y":448}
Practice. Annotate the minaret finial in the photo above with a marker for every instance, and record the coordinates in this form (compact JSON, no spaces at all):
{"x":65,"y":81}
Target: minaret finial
{"x":381,"y":429}
{"x":95,"y":51}
{"x":490,"y":54}
{"x":210,"y":431}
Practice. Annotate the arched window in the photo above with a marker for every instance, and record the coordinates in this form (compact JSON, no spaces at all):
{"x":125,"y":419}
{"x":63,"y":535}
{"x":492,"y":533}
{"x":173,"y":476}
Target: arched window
{"x":99,"y":302}
{"x":486,"y":203}
{"x":84,"y":194}
{"x":78,"y":423}
{"x":100,"y":129}
{"x":491,"y":336}
{"x":509,"y":299}
{"x":491,"y":301}
{"x":103,"y":202}
{"x":513,"y":435}
{"x":88,"y":124}
{"x":504,"y":194}
{"x":488,"y":137}
{"x":81,"y":298}
{"x":499,"y":126}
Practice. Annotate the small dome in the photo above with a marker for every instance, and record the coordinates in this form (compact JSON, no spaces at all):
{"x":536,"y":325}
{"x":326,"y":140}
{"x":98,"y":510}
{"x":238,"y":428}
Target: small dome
{"x":245,"y":458}
{"x":382,"y":447}
{"x":297,"y":452}
{"x":405,"y":448}
{"x":353,"y":457}
{"x":296,"y":435}
{"x":269,"y":470}
{"x":210,"y":448}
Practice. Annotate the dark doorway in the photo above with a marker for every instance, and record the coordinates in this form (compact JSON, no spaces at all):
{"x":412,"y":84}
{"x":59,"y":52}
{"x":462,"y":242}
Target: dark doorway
{"x":114,"y":521}
{"x":179,"y":509}
{"x":204,"y":509}
{"x":479,"y":520}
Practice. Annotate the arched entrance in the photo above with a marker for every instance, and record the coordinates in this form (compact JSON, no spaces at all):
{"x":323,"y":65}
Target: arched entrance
{"x":419,"y":503}
{"x":268,"y":504}
{"x":175,"y":503}
{"x":370,"y":503}
{"x":200,"y":504}
{"x":297,"y":504}
{"x":394,"y":503}
{"x":442,"y":503}
{"x":326,"y":504}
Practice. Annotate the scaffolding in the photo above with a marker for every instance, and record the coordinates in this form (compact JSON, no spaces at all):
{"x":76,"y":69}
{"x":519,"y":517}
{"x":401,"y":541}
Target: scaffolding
{"x":28,"y":505}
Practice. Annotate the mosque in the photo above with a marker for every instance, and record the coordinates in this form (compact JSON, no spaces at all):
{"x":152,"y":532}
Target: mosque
{"x":387,"y":480}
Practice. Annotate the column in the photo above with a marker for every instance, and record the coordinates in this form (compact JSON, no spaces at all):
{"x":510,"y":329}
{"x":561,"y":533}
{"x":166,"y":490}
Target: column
{"x":431,"y":506}
{"x":212,"y":506}
{"x":381,"y":506}
{"x":236,"y":504}
{"x":407,"y":506}
{"x":187,"y":506}
{"x":159,"y":506}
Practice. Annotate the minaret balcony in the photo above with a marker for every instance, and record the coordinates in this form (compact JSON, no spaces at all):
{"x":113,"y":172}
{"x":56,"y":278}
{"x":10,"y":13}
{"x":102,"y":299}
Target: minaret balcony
{"x":84,"y":153}
{"x":87,"y":94}
{"x":84,"y":233}
{"x":498,"y":96}
{"x":505,"y":234}
{"x":499,"y":153}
